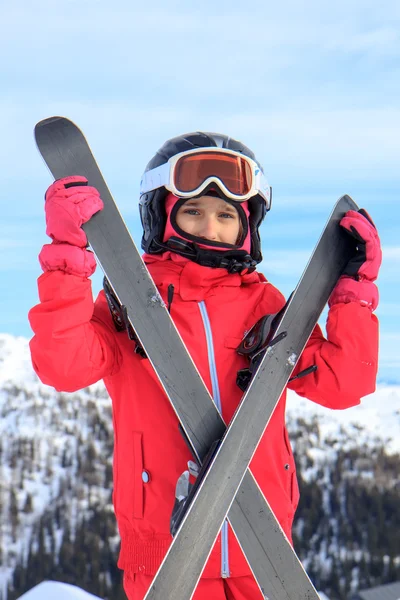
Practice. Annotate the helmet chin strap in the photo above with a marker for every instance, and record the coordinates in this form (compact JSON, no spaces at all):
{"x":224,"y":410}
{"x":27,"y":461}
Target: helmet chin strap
{"x":234,"y":261}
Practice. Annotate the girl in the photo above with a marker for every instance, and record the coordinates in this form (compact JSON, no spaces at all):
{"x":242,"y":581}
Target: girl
{"x":203,"y":198}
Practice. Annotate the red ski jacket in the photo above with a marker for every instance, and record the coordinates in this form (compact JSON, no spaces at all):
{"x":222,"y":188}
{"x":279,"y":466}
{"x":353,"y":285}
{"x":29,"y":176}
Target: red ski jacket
{"x":76,"y":344}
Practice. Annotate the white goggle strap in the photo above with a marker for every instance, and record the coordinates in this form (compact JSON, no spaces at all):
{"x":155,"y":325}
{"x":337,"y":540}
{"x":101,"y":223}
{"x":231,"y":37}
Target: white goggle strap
{"x":262,"y":186}
{"x":156,"y":178}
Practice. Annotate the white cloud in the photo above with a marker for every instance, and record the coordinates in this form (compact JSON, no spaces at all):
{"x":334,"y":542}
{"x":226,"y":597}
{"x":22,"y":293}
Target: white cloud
{"x":380,"y":41}
{"x":363,"y":142}
{"x":312,"y":89}
{"x":133,"y":76}
{"x":393,"y":338}
{"x":340,"y":27}
{"x":389,"y":350}
{"x":179,"y":46}
{"x":391,"y":253}
{"x":329,"y":145}
{"x":285,"y":263}
{"x":390,"y":269}
{"x":389,"y":309}
{"x":10,"y":244}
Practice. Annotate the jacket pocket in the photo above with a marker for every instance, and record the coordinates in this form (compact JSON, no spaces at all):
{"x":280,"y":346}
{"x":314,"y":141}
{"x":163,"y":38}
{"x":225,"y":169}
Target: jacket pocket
{"x":287,"y":443}
{"x":294,"y":491}
{"x":293,"y":487}
{"x":138,"y":491}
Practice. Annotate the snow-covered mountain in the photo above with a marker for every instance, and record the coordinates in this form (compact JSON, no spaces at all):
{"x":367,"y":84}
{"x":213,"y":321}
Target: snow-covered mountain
{"x":55,"y":485}
{"x":377,"y":418}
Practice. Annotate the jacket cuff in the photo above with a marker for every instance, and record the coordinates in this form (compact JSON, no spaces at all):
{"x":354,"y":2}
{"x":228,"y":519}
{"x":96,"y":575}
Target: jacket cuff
{"x":67,"y":258}
{"x":350,"y":290}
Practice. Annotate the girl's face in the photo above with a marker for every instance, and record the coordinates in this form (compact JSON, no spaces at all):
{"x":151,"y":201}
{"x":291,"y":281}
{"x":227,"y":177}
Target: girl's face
{"x":210,"y":218}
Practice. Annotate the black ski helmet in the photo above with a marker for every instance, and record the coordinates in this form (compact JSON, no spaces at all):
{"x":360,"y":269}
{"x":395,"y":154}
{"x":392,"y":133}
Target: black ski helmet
{"x":153,"y":214}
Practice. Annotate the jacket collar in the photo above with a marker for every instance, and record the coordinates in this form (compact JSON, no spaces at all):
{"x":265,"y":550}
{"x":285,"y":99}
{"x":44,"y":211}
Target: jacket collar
{"x":191,"y":280}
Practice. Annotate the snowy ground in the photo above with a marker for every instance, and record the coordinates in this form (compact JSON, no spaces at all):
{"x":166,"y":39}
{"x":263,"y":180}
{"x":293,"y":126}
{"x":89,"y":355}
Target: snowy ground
{"x":52,"y":590}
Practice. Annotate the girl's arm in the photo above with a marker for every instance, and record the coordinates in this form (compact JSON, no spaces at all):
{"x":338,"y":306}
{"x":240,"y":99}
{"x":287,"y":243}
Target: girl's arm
{"x":75,"y":341}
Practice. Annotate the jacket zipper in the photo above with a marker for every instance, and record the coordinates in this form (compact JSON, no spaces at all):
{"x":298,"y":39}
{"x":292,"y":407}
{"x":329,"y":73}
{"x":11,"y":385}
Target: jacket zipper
{"x":217,"y":399}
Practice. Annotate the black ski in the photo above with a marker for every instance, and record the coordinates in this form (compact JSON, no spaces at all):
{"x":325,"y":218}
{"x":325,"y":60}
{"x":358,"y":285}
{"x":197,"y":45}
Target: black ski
{"x":274,"y":564}
{"x":220,"y":483}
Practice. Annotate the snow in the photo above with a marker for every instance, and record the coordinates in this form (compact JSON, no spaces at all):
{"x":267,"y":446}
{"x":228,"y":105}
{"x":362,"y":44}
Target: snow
{"x":47,"y":423}
{"x":377,"y":417}
{"x":49,"y":590}
{"x":15,"y":362}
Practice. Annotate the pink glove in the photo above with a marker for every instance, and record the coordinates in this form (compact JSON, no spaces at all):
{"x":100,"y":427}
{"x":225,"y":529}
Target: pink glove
{"x":70,"y":203}
{"x":356,"y":284}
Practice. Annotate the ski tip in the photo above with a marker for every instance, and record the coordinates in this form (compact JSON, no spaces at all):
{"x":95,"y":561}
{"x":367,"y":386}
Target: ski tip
{"x":53,"y":121}
{"x":47,"y":121}
{"x":349,"y":201}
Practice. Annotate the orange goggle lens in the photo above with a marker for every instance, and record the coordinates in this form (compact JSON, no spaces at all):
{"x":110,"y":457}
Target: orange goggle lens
{"x":193,"y":170}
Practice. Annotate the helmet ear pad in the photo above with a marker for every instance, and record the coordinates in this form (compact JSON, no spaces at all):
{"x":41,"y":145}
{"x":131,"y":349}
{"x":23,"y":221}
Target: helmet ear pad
{"x":153,"y":217}
{"x":257,"y":211}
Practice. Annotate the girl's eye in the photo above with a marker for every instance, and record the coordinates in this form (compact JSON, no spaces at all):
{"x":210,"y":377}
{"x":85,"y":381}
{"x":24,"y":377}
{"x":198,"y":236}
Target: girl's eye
{"x":227,"y":215}
{"x":191,"y":211}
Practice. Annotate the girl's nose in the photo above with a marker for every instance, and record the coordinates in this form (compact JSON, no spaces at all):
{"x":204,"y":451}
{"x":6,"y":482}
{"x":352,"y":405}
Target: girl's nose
{"x":208,"y":229}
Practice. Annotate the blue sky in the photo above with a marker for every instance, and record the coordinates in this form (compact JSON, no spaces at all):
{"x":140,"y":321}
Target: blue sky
{"x":313,"y":88}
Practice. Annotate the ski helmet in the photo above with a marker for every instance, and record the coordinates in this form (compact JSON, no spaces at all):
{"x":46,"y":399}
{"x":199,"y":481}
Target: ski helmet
{"x":152,"y":204}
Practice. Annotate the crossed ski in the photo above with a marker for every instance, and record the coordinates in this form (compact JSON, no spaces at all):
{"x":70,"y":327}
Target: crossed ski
{"x":228,"y":487}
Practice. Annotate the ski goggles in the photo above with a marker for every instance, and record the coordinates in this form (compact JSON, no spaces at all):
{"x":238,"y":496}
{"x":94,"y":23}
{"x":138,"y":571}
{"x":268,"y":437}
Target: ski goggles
{"x":187,"y":174}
